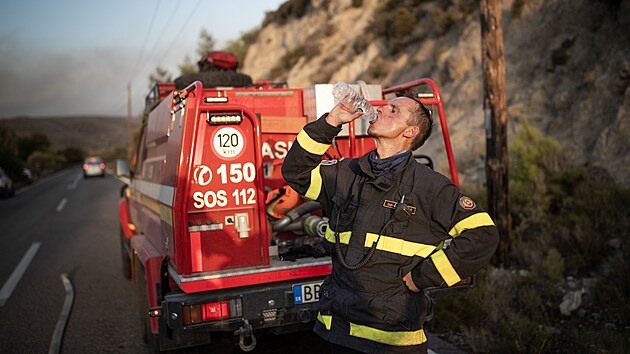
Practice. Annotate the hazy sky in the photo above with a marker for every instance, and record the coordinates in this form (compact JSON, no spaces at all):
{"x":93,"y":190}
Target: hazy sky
{"x":75,"y":57}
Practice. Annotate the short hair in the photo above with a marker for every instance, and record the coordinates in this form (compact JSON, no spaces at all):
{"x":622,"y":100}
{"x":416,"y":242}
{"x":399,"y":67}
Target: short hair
{"x":421,"y":118}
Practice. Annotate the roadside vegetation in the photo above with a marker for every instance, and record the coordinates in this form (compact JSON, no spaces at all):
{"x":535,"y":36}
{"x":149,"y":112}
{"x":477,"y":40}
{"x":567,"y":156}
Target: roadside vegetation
{"x":565,"y":289}
{"x":25,"y":159}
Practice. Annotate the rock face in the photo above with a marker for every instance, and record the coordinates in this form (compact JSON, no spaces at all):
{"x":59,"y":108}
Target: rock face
{"x":568,"y":68}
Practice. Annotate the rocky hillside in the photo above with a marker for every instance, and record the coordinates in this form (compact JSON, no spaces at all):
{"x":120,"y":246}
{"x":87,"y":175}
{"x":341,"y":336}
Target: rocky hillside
{"x":568,"y":66}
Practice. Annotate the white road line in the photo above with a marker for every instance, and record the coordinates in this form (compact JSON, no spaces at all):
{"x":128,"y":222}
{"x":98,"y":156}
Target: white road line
{"x":60,"y":327}
{"x":73,"y":184}
{"x":62,"y":204}
{"x":431,"y":351}
{"x":7,"y":289}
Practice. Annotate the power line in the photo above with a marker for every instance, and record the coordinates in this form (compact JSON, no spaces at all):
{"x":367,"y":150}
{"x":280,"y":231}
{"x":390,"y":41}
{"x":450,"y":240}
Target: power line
{"x":144,"y":43}
{"x":166,"y":26}
{"x":168,"y":48}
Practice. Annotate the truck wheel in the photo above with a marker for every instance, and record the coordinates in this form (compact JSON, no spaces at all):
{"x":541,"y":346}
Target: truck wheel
{"x":213,"y":79}
{"x":125,"y":253}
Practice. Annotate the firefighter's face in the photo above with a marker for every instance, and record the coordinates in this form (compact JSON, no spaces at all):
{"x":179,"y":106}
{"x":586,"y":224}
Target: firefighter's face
{"x":392,"y":119}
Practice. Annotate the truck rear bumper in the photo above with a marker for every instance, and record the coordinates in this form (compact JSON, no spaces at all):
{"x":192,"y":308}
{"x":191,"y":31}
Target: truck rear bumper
{"x":269,"y":306}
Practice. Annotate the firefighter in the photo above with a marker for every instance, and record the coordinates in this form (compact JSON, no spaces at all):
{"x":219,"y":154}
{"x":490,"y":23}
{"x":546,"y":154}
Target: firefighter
{"x":389,"y":218}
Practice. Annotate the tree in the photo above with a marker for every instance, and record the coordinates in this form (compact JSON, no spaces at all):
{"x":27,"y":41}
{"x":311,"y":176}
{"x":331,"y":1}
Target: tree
{"x":9,"y":159}
{"x":160,"y":74}
{"x":205,"y":44}
{"x":8,"y":140}
{"x":188,"y":66}
{"x":73,"y":154}
{"x":40,"y":162}
{"x":35,"y":142}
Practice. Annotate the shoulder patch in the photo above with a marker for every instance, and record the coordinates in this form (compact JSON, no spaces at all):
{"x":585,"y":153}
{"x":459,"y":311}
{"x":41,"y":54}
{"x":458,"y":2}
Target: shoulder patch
{"x":329,"y":162}
{"x":466,"y":203}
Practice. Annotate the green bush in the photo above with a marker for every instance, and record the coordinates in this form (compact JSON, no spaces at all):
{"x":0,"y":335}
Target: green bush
{"x":395,"y":23}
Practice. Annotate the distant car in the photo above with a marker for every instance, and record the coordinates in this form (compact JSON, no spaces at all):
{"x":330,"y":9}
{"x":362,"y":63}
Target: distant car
{"x":93,"y":166}
{"x":7,"y":189}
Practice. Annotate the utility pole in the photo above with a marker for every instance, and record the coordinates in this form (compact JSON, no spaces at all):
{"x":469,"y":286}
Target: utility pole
{"x":495,"y":114}
{"x":129,"y":132}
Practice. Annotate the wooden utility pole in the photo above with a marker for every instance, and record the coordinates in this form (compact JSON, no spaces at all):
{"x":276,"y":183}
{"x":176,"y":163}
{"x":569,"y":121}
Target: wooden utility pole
{"x":129,"y":132}
{"x":494,"y":107}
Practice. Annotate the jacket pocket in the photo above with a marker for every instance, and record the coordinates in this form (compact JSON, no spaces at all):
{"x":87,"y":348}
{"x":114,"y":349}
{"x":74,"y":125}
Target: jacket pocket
{"x":405,"y":309}
{"x":331,"y":298}
{"x":343,"y":213}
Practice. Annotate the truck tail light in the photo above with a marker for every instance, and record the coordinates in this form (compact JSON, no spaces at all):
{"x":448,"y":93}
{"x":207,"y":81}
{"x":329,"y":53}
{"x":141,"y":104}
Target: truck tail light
{"x":85,"y":166}
{"x":102,"y":165}
{"x":211,"y":311}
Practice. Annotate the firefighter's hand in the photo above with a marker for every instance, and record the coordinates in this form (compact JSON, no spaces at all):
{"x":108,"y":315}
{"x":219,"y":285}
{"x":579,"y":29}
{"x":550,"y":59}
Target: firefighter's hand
{"x":409,"y":282}
{"x":340,"y":115}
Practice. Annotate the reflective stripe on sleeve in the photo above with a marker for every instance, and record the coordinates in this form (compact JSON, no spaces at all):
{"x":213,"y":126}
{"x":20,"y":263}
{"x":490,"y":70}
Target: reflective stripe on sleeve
{"x":344,"y":237}
{"x":316,"y":184}
{"x":310,"y":145}
{"x":326,"y":320}
{"x":398,"y":338}
{"x":445,"y":268}
{"x":399,"y":246}
{"x":471,"y":222}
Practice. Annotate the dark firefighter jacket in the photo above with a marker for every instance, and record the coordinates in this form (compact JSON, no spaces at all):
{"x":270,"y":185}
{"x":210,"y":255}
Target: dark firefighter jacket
{"x":370,"y":309}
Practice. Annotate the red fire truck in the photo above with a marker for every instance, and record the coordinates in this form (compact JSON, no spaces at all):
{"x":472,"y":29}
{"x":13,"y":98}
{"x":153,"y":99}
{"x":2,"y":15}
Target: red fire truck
{"x":210,"y":233}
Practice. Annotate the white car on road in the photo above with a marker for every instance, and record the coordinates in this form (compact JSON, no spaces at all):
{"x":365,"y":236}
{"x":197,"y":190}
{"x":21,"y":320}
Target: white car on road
{"x":93,"y":166}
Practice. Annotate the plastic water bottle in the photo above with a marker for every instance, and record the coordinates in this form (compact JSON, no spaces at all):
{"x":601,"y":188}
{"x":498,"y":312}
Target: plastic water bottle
{"x":349,"y":98}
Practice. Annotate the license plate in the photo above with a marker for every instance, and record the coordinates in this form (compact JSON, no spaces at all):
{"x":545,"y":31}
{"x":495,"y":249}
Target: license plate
{"x":305,"y":293}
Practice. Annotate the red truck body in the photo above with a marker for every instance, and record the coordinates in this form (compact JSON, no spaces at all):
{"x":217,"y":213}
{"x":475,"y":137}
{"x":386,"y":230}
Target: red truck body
{"x":196,"y":233}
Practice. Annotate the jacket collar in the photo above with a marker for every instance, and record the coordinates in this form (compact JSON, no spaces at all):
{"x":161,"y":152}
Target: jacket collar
{"x":387,"y":180}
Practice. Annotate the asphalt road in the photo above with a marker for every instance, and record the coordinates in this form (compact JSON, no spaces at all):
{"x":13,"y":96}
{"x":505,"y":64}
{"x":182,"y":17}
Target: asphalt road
{"x":69,"y":225}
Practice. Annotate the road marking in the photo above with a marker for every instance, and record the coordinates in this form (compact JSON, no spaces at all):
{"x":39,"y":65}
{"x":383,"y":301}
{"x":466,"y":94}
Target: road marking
{"x":431,"y":351}
{"x":73,"y":184}
{"x":60,"y":327}
{"x":62,"y":204}
{"x":7,"y":289}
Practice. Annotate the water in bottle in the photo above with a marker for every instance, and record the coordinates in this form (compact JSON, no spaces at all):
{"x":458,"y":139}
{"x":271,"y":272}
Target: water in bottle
{"x":350,"y":99}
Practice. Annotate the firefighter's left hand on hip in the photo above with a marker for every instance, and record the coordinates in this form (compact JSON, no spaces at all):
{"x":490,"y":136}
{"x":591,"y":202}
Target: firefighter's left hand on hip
{"x":409,"y":282}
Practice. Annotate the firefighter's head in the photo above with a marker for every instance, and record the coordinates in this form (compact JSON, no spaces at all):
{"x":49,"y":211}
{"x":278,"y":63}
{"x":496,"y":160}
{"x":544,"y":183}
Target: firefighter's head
{"x":402,"y":118}
{"x":421,"y":118}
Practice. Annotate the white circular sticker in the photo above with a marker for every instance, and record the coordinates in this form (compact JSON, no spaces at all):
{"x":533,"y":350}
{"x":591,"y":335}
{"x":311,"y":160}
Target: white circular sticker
{"x":228,"y":142}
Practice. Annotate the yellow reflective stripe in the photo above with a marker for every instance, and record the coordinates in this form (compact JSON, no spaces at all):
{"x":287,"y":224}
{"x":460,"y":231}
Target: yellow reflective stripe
{"x":326,"y":320}
{"x":344,"y":237}
{"x":445,"y":268}
{"x":471,"y":222}
{"x":316,"y":184}
{"x":399,"y":246}
{"x":310,"y":145}
{"x":387,"y":337}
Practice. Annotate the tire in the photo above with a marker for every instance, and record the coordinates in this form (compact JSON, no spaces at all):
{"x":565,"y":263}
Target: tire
{"x":213,"y":79}
{"x":125,"y":255}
